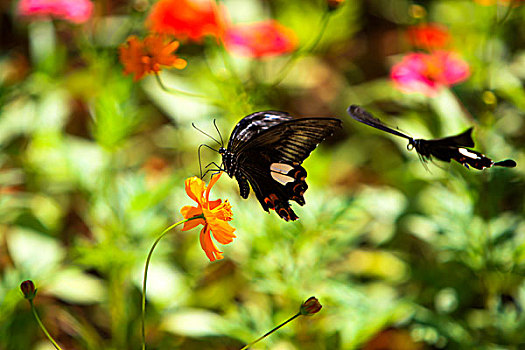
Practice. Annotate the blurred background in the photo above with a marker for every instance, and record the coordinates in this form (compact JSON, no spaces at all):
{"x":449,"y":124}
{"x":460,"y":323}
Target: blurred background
{"x":93,"y":163}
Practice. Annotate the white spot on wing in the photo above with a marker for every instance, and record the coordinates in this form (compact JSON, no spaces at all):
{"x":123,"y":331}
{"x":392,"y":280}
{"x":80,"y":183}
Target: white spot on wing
{"x":281,"y":168}
{"x":467,"y":153}
{"x":282,"y":179}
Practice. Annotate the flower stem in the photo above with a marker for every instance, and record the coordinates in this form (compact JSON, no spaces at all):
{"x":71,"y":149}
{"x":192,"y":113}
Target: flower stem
{"x":148,"y":259}
{"x":506,"y":15}
{"x":43,"y":327}
{"x":175,"y":91}
{"x":273,"y":330}
{"x":297,"y":54}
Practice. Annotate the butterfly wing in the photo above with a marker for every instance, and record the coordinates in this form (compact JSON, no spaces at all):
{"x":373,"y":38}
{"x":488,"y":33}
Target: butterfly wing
{"x":364,"y":117}
{"x":275,"y":188}
{"x":267,"y":151}
{"x":446,"y":148}
{"x":461,"y":140}
{"x":254,"y":124}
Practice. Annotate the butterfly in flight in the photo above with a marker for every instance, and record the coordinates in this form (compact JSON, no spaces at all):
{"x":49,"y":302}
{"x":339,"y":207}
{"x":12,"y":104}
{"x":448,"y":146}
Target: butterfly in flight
{"x":445,"y":149}
{"x":266,"y":149}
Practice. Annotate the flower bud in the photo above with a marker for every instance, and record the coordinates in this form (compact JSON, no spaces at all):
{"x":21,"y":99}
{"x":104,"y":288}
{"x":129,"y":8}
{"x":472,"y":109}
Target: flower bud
{"x":28,"y":289}
{"x":334,"y":4}
{"x":310,"y":307}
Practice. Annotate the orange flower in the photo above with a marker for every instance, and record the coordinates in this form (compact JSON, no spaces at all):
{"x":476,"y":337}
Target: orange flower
{"x":492,"y":2}
{"x":145,"y":57}
{"x":216,"y":216}
{"x":260,"y":39}
{"x":187,"y":19}
{"x":428,"y":36}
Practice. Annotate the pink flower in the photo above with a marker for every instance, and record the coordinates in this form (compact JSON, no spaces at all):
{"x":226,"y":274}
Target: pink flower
{"x":260,"y":39}
{"x":428,"y":73}
{"x":77,"y":11}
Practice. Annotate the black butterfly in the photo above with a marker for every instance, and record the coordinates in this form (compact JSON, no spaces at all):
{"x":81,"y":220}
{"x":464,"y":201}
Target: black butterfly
{"x":445,"y":149}
{"x":266,"y":150}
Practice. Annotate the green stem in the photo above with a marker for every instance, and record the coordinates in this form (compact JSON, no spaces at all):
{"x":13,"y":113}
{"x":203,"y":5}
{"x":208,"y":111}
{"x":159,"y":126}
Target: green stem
{"x":273,"y":330}
{"x":43,"y":327}
{"x":174,"y":91}
{"x":148,"y":259}
{"x":299,"y":53}
{"x":510,"y":6}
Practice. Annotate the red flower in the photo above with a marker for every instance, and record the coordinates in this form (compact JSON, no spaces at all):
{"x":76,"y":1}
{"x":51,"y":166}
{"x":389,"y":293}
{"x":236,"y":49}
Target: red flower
{"x":144,"y":57}
{"x":187,"y":19}
{"x":428,"y":36}
{"x":260,"y":39}
{"x":216,"y":215}
{"x":428,"y":73}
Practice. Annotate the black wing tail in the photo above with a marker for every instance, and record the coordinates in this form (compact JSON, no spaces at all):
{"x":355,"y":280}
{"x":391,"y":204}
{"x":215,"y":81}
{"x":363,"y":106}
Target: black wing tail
{"x":286,"y":182}
{"x":364,"y":117}
{"x":507,"y":163}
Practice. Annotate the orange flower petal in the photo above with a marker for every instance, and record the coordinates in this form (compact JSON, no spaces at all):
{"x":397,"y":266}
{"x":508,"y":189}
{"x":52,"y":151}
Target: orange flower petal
{"x":180,"y":63}
{"x":213,"y":180}
{"x":189,"y":212}
{"x":145,"y":57}
{"x":222,"y":231}
{"x":195,"y":188}
{"x":208,"y":246}
{"x":214,"y":204}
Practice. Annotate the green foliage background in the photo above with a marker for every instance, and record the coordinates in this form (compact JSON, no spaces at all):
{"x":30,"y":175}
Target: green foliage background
{"x":92,"y":168}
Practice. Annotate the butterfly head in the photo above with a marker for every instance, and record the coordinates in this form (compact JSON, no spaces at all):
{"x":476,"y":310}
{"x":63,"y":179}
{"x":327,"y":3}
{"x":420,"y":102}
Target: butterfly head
{"x":412,"y":144}
{"x":227,"y":161}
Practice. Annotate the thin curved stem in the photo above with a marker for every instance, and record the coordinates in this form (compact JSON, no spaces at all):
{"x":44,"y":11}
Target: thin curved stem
{"x":43,"y":327}
{"x":148,"y":259}
{"x":273,"y":330}
{"x":174,"y":91}
{"x":297,"y":54}
{"x":510,"y":6}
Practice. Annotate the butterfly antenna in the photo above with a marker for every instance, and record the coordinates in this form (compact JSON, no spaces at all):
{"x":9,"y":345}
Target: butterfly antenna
{"x":211,"y":137}
{"x":199,"y":156}
{"x":218,"y":131}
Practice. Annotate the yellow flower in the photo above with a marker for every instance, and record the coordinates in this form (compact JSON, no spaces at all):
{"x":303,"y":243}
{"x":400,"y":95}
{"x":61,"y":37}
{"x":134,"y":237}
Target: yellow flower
{"x":145,"y":57}
{"x":216,"y":216}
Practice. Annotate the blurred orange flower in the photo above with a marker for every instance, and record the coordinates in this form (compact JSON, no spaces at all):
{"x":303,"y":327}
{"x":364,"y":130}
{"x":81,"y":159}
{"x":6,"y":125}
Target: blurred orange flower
{"x":187,"y":19}
{"x":428,"y":36}
{"x":492,"y":2}
{"x":145,"y":57}
{"x":216,"y":216}
{"x":260,"y":39}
